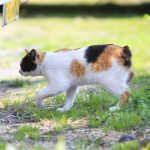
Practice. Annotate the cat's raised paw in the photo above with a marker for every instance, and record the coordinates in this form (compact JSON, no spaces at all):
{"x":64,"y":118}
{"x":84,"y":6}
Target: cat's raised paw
{"x":60,"y":110}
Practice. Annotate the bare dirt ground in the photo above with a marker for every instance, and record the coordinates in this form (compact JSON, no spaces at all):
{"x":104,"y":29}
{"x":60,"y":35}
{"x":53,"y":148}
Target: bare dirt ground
{"x":91,"y":136}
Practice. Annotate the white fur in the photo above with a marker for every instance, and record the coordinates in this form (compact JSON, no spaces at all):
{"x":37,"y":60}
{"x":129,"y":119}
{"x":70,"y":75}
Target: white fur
{"x":56,"y":69}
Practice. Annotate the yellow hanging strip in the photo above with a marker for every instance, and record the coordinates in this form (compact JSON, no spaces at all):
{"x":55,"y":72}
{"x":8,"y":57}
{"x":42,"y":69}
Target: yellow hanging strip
{"x":10,"y":11}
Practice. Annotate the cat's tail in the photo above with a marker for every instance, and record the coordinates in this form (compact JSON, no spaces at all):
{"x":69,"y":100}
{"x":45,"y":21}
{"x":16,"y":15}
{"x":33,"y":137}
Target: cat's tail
{"x":130,"y":76}
{"x":126,"y":55}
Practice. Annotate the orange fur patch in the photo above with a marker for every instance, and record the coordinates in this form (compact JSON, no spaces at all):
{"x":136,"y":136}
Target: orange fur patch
{"x":77,"y":68}
{"x":63,"y":50}
{"x":124,"y":98}
{"x":41,"y":57}
{"x":104,"y":61}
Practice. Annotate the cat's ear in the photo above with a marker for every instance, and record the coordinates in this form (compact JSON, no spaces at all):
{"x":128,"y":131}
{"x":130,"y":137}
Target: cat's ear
{"x":38,"y":56}
{"x":33,"y":53}
{"x":26,"y":51}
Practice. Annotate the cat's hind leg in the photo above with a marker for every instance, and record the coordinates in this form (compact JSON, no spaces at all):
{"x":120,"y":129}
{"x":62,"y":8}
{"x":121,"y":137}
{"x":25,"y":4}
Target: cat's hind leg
{"x":119,"y":87}
{"x":123,"y":99}
{"x":70,"y":97}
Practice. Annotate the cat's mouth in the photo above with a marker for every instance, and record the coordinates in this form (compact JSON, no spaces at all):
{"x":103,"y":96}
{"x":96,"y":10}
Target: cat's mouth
{"x":22,"y":73}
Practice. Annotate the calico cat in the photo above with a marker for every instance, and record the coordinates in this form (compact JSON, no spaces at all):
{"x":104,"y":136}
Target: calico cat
{"x":67,"y":69}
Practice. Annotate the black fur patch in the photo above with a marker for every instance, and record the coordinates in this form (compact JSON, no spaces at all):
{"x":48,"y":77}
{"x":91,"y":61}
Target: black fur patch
{"x":27,"y":63}
{"x":93,"y":52}
{"x":127,"y":56}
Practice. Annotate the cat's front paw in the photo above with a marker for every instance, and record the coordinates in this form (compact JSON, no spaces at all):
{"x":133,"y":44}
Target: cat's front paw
{"x":60,"y":110}
{"x":114,"y":108}
{"x":63,"y":109}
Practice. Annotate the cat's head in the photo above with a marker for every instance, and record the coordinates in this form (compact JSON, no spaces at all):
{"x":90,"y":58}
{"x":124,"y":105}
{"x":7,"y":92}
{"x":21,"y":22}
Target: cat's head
{"x":29,"y":64}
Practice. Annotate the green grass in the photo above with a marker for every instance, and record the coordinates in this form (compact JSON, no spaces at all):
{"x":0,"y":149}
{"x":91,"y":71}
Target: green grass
{"x":133,"y":145}
{"x":92,"y":108}
{"x":15,"y":83}
{"x":2,"y":144}
{"x":124,"y":121}
{"x":27,"y":132}
{"x":63,"y":30}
